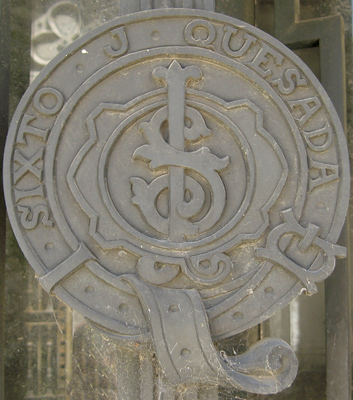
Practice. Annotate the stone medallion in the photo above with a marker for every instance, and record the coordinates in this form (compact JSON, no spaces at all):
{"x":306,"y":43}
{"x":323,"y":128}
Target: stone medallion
{"x":173,"y":161}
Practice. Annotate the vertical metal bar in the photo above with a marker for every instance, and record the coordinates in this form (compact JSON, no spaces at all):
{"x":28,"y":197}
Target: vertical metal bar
{"x":68,"y":347}
{"x":264,"y":16}
{"x":288,"y":12}
{"x":278,"y":325}
{"x":188,"y":3}
{"x":337,"y":286}
{"x":146,"y":376}
{"x":208,"y":5}
{"x":39,"y":361}
{"x":165,"y":4}
{"x":241,"y":9}
{"x":332,"y":66}
{"x":338,"y":332}
{"x":329,"y":32}
{"x":129,"y":6}
{"x":146,"y":4}
{"x":4,"y":114}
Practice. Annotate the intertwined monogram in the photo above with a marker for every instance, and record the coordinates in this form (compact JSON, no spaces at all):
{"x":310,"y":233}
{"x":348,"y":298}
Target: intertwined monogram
{"x":186,"y":195}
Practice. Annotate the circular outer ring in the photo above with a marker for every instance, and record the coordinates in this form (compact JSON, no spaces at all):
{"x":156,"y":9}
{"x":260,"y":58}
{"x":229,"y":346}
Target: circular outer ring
{"x":57,"y":62}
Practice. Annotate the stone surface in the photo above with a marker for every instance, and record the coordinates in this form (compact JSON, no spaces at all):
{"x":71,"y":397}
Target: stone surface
{"x":179,"y":154}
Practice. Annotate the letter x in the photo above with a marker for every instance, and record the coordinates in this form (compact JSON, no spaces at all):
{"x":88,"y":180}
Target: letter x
{"x":28,"y":165}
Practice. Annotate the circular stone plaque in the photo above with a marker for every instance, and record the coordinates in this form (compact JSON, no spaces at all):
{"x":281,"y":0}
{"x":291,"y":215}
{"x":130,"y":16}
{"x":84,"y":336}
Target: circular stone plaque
{"x":184,"y":150}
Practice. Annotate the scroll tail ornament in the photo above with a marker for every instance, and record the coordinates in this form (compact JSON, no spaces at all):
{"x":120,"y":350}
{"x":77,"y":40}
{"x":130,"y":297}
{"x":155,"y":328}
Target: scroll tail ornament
{"x":323,"y":264}
{"x":268,"y":367}
{"x":202,"y":269}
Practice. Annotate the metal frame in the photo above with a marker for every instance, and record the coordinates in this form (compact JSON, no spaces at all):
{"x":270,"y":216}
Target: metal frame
{"x":240,"y":9}
{"x":328,"y":33}
{"x":4,"y":108}
{"x":7,"y":9}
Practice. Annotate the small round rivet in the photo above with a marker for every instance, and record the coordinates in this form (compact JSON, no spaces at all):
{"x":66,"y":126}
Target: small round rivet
{"x":269,"y":290}
{"x":185,"y":353}
{"x":174,"y":308}
{"x":238,"y":315}
{"x":155,"y":35}
{"x":123,"y":308}
{"x":80,"y":67}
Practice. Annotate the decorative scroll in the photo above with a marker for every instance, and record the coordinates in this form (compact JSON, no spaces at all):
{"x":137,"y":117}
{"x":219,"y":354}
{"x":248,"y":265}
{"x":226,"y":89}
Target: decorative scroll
{"x":325,"y":253}
{"x":268,"y":367}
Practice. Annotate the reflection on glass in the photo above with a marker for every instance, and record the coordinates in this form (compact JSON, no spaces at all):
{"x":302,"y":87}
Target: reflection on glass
{"x":38,"y":343}
{"x":53,"y":31}
{"x":48,"y":335}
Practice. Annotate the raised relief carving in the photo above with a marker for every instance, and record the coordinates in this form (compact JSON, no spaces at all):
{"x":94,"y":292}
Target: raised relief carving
{"x":290,"y":81}
{"x":182,"y":176}
{"x":48,"y":101}
{"x":158,"y":153}
{"x":22,"y":194}
{"x":31,"y":218}
{"x":28,"y":165}
{"x":120,"y":37}
{"x":321,"y":173}
{"x":200,"y":33}
{"x":192,"y":194}
{"x":306,"y":107}
{"x":26,"y":129}
{"x":319,"y":139}
{"x":244,"y":46}
{"x":318,"y":264}
{"x":28,"y":159}
{"x":262,"y":59}
{"x":63,"y":270}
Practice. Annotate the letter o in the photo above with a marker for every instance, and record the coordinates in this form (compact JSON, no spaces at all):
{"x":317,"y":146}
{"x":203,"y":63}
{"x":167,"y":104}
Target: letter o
{"x":54,"y":104}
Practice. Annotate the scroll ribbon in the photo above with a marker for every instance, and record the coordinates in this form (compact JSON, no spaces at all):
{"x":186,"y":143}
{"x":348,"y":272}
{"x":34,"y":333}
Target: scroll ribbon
{"x":182,"y":340}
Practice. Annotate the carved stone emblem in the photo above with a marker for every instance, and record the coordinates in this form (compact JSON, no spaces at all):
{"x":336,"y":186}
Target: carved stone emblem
{"x":178,"y":168}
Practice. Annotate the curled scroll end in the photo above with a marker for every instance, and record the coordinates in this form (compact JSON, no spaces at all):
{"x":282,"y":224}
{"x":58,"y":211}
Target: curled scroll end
{"x":157,"y":270}
{"x":209,"y":271}
{"x":268,"y":367}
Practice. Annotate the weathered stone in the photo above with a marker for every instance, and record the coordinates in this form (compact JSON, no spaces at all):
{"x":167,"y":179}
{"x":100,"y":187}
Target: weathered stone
{"x":180,"y":168}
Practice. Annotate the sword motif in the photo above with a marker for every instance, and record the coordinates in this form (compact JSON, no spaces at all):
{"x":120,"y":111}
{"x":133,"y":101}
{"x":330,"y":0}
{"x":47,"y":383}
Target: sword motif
{"x":186,"y":195}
